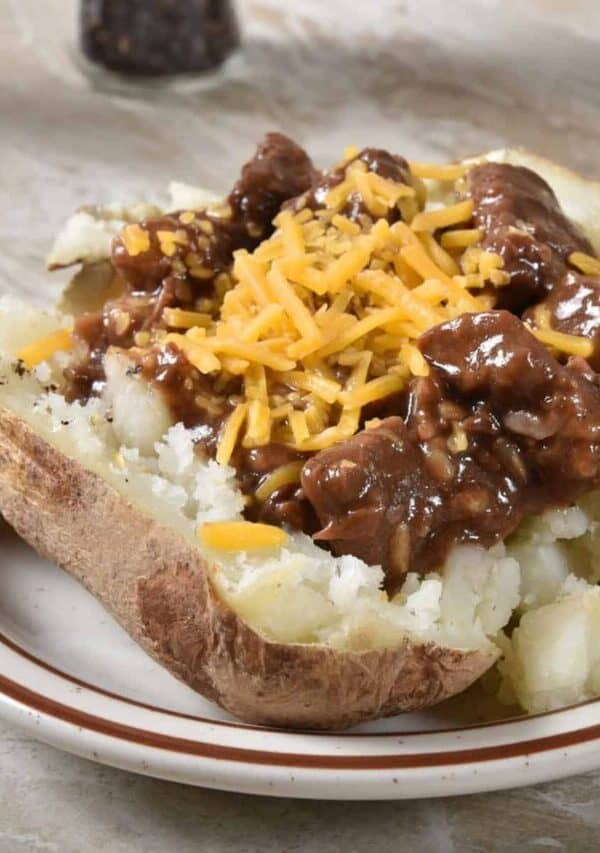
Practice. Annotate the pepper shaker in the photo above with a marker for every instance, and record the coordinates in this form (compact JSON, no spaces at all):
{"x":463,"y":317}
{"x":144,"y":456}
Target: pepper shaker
{"x":158,"y":37}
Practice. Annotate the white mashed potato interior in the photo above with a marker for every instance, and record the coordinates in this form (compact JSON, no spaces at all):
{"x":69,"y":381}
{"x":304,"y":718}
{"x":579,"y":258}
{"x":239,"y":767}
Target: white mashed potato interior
{"x":545,"y":575}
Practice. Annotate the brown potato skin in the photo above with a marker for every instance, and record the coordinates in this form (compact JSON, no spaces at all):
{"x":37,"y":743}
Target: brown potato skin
{"x":157,"y":587}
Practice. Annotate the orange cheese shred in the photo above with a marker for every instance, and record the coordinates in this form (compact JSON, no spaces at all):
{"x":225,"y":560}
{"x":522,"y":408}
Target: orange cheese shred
{"x":44,"y":348}
{"x":240,"y":536}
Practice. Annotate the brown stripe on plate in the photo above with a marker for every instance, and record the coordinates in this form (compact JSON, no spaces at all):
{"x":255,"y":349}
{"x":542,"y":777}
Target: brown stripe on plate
{"x":258,"y":728}
{"x":201,"y":749}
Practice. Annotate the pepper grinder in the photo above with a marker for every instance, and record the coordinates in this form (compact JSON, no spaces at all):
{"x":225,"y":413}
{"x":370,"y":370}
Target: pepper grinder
{"x":158,"y":37}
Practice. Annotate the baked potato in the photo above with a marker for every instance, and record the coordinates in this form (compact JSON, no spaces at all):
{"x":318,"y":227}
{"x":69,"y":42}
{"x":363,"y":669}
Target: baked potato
{"x":150,"y":572}
{"x":283,"y":633}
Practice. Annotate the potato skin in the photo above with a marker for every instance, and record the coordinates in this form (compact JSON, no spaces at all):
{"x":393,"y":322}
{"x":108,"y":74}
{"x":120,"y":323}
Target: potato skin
{"x":157,"y":587}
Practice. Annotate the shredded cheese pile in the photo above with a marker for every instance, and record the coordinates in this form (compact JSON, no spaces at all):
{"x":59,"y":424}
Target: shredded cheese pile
{"x":322,"y":318}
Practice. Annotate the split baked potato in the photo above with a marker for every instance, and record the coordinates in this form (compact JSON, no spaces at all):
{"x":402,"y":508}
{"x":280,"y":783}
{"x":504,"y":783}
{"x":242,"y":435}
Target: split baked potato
{"x":285,"y":635}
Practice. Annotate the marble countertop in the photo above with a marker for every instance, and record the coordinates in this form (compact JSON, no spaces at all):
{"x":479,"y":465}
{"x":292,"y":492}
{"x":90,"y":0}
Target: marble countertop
{"x":423,"y":77}
{"x":56,"y":803}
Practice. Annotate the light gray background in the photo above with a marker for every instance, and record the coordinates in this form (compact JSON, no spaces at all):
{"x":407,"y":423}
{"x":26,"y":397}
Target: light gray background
{"x":425,"y":78}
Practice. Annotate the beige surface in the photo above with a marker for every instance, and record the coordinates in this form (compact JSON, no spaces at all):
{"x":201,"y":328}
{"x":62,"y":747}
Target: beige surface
{"x":425,"y":78}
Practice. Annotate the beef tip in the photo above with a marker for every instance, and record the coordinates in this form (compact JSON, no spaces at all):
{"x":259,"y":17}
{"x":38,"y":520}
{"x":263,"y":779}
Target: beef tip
{"x":94,"y":331}
{"x":196,"y":251}
{"x":498,"y":431}
{"x":397,"y":495}
{"x":523,"y":223}
{"x":166,"y":263}
{"x":573,"y":306}
{"x":550,"y":410}
{"x":374,"y":496}
{"x":547,"y":412}
{"x":392,"y":167}
{"x":175,"y":259}
{"x":193,"y":253}
{"x":279,"y":170}
{"x":485,"y":356}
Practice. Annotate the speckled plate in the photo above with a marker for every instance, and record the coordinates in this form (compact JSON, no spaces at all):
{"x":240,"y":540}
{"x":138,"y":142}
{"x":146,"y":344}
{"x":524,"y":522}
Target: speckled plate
{"x":71,"y":677}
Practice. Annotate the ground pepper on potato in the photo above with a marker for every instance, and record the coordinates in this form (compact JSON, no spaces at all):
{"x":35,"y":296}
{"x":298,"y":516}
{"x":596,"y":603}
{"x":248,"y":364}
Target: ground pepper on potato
{"x":344,"y":344}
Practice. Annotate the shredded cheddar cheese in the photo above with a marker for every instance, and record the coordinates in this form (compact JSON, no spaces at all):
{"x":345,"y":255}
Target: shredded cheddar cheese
{"x":376,"y":389}
{"x":439,"y":255}
{"x":322,"y":319}
{"x":180,"y":319}
{"x":284,"y":475}
{"x":299,"y":426}
{"x":258,"y":430}
{"x":417,"y":258}
{"x":229,"y":435}
{"x":585,"y":263}
{"x":44,"y":348}
{"x":240,"y":535}
{"x":135,"y":239}
{"x":438,"y":172}
{"x":443,"y":217}
{"x":460,"y":238}
{"x":569,"y":344}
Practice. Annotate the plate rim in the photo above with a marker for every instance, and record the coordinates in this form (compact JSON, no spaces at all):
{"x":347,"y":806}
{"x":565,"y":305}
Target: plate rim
{"x":42,"y":704}
{"x":255,"y":727}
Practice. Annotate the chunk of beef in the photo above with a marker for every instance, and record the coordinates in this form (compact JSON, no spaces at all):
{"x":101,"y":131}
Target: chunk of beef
{"x":499,"y":430}
{"x":173,"y":260}
{"x":192,"y":253}
{"x":279,"y":170}
{"x":573,"y":306}
{"x":373,"y":495}
{"x":115,"y":325}
{"x":197,"y":251}
{"x":550,"y":410}
{"x":523,"y":223}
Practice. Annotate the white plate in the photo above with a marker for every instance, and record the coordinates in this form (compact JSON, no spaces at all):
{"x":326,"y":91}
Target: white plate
{"x":70,"y":676}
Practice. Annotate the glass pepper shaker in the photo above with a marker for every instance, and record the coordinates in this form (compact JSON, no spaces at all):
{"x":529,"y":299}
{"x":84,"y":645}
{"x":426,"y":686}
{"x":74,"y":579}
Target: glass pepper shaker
{"x":158,"y":37}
